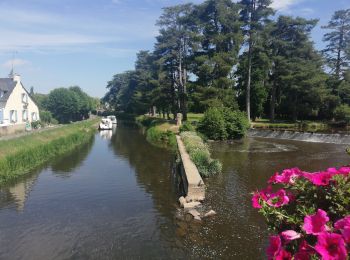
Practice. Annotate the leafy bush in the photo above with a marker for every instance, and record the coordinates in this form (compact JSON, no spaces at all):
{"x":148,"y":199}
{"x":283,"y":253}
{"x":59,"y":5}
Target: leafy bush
{"x":223,"y":123}
{"x":36,"y":124}
{"x":46,"y":117}
{"x":310,"y":212}
{"x":200,"y":155}
{"x":187,"y":127}
{"x":213,"y":124}
{"x":342,"y":113}
{"x":236,"y":123}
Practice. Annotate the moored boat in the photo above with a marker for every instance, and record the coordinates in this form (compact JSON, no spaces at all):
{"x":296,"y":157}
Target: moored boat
{"x":105,"y":124}
{"x":113,"y":119}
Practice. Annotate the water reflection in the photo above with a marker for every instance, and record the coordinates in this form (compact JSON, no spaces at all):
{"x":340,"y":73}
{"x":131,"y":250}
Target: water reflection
{"x":64,"y":165}
{"x":107,"y":134}
{"x":153,"y":166}
{"x":17,"y":193}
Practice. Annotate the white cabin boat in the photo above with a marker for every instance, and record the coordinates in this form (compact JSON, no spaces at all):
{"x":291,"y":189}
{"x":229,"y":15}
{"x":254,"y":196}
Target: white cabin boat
{"x":113,"y":119}
{"x":106,"y":124}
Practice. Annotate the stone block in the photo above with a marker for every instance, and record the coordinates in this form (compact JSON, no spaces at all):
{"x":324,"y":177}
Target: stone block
{"x":191,"y":205}
{"x":182,"y":201}
{"x":210,"y":213}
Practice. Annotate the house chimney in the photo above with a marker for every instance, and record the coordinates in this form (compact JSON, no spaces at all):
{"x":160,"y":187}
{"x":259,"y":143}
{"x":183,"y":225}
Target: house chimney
{"x":17,"y":78}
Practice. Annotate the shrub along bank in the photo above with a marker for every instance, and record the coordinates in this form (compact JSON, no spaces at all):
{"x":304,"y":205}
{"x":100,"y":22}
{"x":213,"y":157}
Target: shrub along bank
{"x":19,"y":156}
{"x":223,"y":124}
{"x":159,"y":132}
{"x":200,"y":155}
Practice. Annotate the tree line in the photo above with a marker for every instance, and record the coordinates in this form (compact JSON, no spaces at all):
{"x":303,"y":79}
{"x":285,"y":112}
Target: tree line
{"x":65,"y":105}
{"x":241,"y":56}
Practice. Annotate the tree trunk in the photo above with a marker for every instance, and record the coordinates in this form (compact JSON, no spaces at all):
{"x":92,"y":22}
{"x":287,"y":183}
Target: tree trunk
{"x":184,"y":101}
{"x":338,"y":63}
{"x":295,"y":111}
{"x":250,"y":50}
{"x":249,"y":77}
{"x":182,"y":74}
{"x":273,"y":103}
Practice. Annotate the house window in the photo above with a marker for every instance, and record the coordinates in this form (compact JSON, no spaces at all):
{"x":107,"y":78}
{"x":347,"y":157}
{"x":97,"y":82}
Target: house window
{"x":34,"y":117}
{"x":25,"y":115}
{"x":1,"y":116}
{"x":24,"y":98}
{"x":13,"y":116}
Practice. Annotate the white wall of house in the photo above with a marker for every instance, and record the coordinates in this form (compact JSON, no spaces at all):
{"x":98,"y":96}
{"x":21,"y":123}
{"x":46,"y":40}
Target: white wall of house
{"x":19,"y":107}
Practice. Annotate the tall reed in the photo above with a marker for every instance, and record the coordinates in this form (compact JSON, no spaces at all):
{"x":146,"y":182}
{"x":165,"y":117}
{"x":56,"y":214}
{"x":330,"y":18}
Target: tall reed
{"x":20,"y":156}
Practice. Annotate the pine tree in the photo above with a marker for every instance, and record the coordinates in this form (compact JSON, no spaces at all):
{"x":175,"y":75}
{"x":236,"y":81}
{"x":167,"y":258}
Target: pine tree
{"x":255,"y":15}
{"x":173,"y":48}
{"x":217,"y":40}
{"x":338,"y":42}
{"x":297,"y":72}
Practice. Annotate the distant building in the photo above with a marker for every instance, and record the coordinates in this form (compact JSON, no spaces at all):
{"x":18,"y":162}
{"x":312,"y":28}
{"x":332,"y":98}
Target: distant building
{"x":16,"y":105}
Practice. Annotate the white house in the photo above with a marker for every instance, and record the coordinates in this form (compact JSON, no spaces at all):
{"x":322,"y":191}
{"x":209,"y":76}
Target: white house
{"x":16,"y":105}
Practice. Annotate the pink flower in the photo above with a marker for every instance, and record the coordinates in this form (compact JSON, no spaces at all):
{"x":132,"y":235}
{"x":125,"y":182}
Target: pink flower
{"x":315,"y":224}
{"x":319,"y":178}
{"x":305,"y":251}
{"x":346,"y":234}
{"x":332,"y":170}
{"x":256,"y":200}
{"x":288,"y":176}
{"x":344,"y":226}
{"x":290,"y":235}
{"x":274,"y":248}
{"x":277,"y":199}
{"x":331,"y":246}
{"x":341,"y":223}
{"x":344,"y":170}
{"x":260,"y":195}
{"x":283,"y":255}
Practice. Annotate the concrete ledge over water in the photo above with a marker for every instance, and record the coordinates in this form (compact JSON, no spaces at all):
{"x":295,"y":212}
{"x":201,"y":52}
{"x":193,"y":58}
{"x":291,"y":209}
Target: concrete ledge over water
{"x":193,"y":182}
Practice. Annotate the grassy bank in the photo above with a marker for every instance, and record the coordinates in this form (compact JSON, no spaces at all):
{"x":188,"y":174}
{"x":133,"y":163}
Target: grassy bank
{"x":19,"y":156}
{"x":159,"y":132}
{"x":308,"y":126}
{"x":200,"y":154}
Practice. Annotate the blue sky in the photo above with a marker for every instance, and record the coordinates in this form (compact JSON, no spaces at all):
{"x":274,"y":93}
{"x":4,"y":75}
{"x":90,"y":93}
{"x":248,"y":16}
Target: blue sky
{"x":60,"y":43}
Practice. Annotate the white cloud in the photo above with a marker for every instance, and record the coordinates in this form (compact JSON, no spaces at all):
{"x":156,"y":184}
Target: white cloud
{"x":307,"y":11}
{"x":16,"y":63}
{"x":17,"y":40}
{"x":283,"y":5}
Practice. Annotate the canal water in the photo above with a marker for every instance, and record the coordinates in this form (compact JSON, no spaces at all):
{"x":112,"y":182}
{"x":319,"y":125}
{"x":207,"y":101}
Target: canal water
{"x":116,"y":198}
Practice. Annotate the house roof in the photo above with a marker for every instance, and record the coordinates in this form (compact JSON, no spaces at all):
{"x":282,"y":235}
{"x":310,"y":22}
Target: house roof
{"x":7,"y":85}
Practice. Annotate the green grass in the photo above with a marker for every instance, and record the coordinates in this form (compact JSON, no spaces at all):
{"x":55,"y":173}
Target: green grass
{"x":192,"y":117}
{"x":19,"y":156}
{"x":200,"y":154}
{"x":312,"y":126}
{"x":159,"y":132}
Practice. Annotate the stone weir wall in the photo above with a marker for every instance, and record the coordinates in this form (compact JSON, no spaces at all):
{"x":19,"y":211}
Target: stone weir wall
{"x":301,"y":136}
{"x":193,"y":182}
{"x":194,"y":186}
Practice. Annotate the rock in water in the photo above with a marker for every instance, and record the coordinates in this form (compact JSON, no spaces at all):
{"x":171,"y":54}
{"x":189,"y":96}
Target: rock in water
{"x":191,"y":205}
{"x":210,"y":213}
{"x":197,"y":218}
{"x":182,"y":201}
{"x":194,"y":213}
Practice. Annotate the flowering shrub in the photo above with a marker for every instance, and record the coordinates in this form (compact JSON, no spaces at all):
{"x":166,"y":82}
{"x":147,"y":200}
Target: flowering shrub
{"x":308,"y":212}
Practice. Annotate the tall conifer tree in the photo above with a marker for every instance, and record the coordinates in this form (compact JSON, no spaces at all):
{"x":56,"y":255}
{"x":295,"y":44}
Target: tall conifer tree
{"x":254,"y":14}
